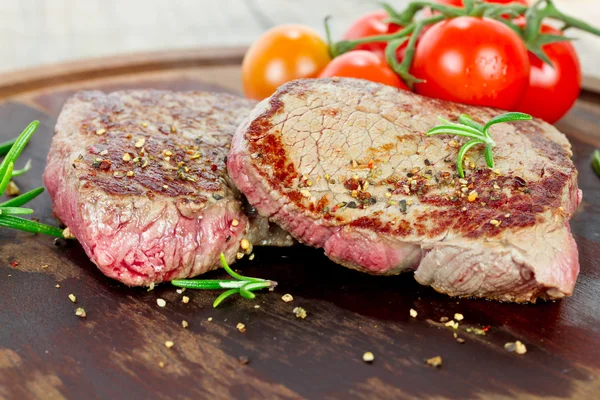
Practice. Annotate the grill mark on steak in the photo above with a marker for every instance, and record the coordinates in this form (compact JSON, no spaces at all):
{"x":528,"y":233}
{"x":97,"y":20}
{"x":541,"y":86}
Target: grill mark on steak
{"x":140,"y":178}
{"x":343,"y":134}
{"x":474,"y":222}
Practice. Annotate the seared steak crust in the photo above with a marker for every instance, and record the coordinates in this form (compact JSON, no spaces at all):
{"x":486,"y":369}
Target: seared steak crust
{"x":345,"y":165}
{"x":140,"y":179}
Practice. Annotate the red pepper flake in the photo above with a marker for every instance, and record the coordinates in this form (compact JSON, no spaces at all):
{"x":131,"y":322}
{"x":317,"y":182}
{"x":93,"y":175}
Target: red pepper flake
{"x":14,"y":264}
{"x":105,"y":164}
{"x":213,"y":167}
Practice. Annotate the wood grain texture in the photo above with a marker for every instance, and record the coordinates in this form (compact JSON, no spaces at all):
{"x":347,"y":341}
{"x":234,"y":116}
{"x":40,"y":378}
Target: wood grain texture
{"x":47,"y":352}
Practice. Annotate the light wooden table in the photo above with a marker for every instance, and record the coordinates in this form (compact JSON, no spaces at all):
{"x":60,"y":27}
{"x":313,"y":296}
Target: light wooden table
{"x":35,"y":32}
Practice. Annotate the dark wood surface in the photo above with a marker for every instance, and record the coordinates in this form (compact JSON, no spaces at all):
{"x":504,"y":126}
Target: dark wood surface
{"x":47,"y":352}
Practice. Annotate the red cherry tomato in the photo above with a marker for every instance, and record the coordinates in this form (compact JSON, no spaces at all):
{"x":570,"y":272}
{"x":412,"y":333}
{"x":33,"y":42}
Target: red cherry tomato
{"x":363,"y":64}
{"x":472,"y":60}
{"x":459,"y":3}
{"x":552,"y":90}
{"x":373,"y":24}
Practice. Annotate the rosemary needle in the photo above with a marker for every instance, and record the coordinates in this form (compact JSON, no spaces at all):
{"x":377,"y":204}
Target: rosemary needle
{"x":23,"y":199}
{"x":244,"y":285}
{"x":596,"y":161}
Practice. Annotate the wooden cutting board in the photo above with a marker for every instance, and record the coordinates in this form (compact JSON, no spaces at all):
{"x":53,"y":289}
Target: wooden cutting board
{"x":47,"y":352}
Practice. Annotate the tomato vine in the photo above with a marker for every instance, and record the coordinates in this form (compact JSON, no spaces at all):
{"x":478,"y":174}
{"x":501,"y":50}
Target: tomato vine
{"x":531,"y":33}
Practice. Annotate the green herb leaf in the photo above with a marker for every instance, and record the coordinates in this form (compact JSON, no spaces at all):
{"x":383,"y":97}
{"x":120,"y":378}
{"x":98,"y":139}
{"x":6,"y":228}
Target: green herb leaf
{"x":507,"y":117}
{"x":466,"y":120}
{"x":17,"y":148}
{"x":23,"y":199}
{"x":479,"y":134}
{"x":244,"y":285}
{"x":15,"y":211}
{"x":5,"y":146}
{"x":6,"y":178}
{"x":206,"y":284}
{"x":461,"y":155}
{"x":26,"y":225}
{"x":223,"y":296}
{"x":596,"y":161}
{"x":13,"y":149}
{"x":24,"y":170}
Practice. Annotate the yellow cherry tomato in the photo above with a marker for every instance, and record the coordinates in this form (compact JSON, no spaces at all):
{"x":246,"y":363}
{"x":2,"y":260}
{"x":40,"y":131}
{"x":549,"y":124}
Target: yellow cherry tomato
{"x":282,"y":54}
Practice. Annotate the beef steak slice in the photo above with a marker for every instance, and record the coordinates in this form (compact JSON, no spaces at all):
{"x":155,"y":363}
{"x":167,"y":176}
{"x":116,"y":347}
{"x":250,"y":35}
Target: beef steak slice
{"x":139,"y":177}
{"x":345,"y":165}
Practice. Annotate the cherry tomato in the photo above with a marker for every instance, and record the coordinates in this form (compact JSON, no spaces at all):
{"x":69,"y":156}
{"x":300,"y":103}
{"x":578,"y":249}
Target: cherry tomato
{"x":552,"y":90}
{"x":373,"y":24}
{"x":282,"y":54}
{"x":459,"y":3}
{"x":363,"y":64}
{"x":472,"y":60}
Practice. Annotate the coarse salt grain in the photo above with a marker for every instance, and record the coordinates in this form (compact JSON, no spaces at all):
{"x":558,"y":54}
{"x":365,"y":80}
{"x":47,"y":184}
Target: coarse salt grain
{"x":368,"y":357}
{"x":452,"y":324}
{"x":435,"y":362}
{"x":516,"y":347}
{"x":12,"y":189}
{"x":300,"y":312}
{"x":67,"y":234}
{"x":473,"y":196}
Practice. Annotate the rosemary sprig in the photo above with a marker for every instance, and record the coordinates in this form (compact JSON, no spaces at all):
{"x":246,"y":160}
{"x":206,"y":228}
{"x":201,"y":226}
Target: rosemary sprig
{"x":244,"y":285}
{"x":10,"y":208}
{"x":596,"y":161}
{"x":479,"y":134}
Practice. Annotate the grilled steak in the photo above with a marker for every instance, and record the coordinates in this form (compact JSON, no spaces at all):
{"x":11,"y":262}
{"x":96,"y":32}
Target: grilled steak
{"x":139,"y":178}
{"x":345,"y":165}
